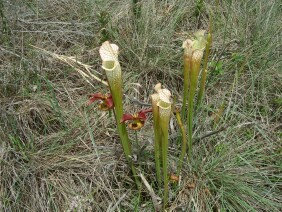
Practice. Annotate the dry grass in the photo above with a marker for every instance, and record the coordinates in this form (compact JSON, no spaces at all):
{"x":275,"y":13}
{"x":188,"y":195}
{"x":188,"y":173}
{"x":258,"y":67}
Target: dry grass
{"x":56,"y":154}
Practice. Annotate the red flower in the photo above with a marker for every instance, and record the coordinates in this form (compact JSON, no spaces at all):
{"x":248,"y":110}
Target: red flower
{"x":136,"y":120}
{"x":106,"y":101}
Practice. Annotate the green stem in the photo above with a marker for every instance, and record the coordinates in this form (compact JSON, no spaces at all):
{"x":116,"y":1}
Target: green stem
{"x":117,"y":98}
{"x":184,"y":143}
{"x":136,"y":137}
{"x":137,"y":141}
{"x":116,"y":91}
{"x":204,"y":75}
{"x":125,"y":142}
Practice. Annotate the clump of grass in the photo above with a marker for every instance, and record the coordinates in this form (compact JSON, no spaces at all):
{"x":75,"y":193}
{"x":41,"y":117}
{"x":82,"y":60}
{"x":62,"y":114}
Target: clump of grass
{"x":234,"y":177}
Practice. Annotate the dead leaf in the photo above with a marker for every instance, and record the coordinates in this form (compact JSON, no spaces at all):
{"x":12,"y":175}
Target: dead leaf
{"x":191,"y":185}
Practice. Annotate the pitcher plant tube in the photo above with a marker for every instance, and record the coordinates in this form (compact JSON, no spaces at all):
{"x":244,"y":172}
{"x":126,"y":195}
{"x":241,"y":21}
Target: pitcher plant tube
{"x":109,"y":55}
{"x":187,"y":56}
{"x":164,"y":107}
{"x":193,"y":49}
{"x":157,"y":133}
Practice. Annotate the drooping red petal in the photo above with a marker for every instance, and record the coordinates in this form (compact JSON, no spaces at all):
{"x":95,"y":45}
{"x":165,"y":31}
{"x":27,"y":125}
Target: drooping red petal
{"x":109,"y":95}
{"x":126,"y":117}
{"x":91,"y":100}
{"x":109,"y":102}
{"x":94,"y":97}
{"x":141,"y":115}
{"x":148,"y":110}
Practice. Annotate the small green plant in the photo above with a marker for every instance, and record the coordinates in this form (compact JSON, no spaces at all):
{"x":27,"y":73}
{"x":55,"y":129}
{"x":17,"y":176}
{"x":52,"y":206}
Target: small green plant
{"x":237,"y":57}
{"x":103,"y":19}
{"x":199,"y":7}
{"x":136,"y":8}
{"x":216,"y":66}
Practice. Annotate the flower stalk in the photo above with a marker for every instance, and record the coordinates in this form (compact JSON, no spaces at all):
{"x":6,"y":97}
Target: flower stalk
{"x":184,"y":142}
